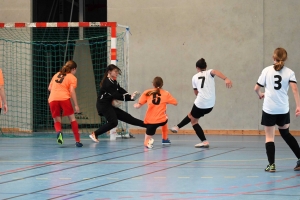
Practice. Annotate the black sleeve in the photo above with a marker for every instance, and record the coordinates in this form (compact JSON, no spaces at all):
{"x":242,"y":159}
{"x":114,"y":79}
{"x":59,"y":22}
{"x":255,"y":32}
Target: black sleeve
{"x":114,"y":90}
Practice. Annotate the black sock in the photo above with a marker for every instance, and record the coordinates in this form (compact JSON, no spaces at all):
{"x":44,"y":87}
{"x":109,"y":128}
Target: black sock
{"x":270,"y":149}
{"x":199,"y":132}
{"x":291,"y":141}
{"x":184,"y":122}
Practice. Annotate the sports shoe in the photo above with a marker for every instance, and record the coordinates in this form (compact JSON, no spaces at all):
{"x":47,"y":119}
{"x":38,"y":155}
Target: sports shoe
{"x":204,"y":144}
{"x":93,"y":137}
{"x":59,"y":137}
{"x":271,"y":168}
{"x":174,"y":129}
{"x":150,"y":144}
{"x":297,"y":168}
{"x":131,"y":136}
{"x":167,"y":141}
{"x":78,"y":144}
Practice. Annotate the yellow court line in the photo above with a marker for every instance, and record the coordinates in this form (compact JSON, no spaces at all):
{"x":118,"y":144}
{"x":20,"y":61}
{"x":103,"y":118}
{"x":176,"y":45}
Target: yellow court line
{"x":64,"y":178}
{"x":252,"y":176}
{"x":42,"y":178}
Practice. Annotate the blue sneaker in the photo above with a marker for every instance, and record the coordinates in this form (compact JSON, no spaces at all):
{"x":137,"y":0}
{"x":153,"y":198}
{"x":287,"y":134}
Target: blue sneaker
{"x":78,"y":144}
{"x":167,"y":141}
{"x":59,"y":137}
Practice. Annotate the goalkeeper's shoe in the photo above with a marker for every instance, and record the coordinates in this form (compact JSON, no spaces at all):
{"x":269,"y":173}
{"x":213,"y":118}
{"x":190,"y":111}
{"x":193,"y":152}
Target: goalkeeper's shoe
{"x":59,"y":137}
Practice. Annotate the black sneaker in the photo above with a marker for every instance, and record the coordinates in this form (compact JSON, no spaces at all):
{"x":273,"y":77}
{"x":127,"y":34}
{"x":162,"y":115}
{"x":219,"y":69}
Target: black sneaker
{"x":78,"y":144}
{"x":59,"y":137}
{"x":297,"y":168}
{"x":271,"y":168}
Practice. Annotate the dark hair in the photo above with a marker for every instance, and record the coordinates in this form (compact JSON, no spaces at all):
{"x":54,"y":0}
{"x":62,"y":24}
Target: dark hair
{"x":68,"y":67}
{"x":201,"y":63}
{"x":157,"y":83}
{"x":280,"y":55}
{"x":109,"y":68}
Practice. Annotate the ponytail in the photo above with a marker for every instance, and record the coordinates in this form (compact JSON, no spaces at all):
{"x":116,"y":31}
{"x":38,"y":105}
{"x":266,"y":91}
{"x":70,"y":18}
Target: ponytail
{"x":68,"y":67}
{"x":280,"y":56}
{"x":157,"y":91}
{"x":279,"y":65}
{"x":157,"y":83}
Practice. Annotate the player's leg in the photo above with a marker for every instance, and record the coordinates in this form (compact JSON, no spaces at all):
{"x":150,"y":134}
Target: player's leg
{"x":270,"y":147}
{"x":112,"y":121}
{"x":183,"y":122}
{"x":127,"y":118}
{"x":164,"y":133}
{"x":291,"y":142}
{"x":69,"y":111}
{"x":55,"y":110}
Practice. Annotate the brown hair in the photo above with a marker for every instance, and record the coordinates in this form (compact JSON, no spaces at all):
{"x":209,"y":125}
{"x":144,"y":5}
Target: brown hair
{"x":68,"y":67}
{"x":201,"y":64}
{"x":157,"y":83}
{"x":280,"y":55}
{"x":109,"y":68}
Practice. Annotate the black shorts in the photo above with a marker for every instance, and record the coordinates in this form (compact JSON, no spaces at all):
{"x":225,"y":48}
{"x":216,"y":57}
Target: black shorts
{"x":277,"y":119}
{"x":151,"y":128}
{"x":200,"y":112}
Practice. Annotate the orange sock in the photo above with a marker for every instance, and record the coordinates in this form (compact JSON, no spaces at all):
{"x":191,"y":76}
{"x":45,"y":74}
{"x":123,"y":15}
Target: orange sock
{"x":164,"y":130}
{"x":75,"y":130}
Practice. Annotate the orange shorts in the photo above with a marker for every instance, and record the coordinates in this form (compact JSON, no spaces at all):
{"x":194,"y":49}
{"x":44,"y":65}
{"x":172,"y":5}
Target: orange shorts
{"x":56,"y":107}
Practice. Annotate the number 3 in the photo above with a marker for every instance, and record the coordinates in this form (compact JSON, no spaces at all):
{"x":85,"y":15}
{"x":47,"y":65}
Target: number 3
{"x":278,"y":82}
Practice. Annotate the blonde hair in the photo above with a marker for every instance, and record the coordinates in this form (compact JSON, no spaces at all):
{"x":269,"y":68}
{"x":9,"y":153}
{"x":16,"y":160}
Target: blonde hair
{"x":68,"y":67}
{"x":157,"y":83}
{"x":280,"y":56}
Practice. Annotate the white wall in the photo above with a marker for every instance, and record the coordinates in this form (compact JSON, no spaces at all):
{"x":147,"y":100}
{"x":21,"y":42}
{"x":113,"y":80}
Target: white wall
{"x":236,"y":37}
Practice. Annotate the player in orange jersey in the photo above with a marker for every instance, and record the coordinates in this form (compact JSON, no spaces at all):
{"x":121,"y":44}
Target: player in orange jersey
{"x":62,"y":90}
{"x":2,"y":94}
{"x":157,"y":100}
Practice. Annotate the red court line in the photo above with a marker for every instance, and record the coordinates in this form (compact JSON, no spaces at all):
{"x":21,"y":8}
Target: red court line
{"x":23,"y":168}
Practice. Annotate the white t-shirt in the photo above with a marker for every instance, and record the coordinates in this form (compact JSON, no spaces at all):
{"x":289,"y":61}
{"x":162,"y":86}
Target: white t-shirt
{"x":204,"y":82}
{"x":276,"y":85}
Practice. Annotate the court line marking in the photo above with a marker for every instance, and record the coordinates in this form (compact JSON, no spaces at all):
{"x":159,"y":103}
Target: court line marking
{"x":95,"y":162}
{"x":87,"y":189}
{"x":196,"y":151}
{"x":46,"y":165}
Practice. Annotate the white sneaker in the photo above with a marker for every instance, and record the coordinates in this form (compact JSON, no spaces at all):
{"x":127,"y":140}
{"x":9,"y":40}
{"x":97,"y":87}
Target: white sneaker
{"x":204,"y":144}
{"x":113,"y":134}
{"x":174,"y":129}
{"x":93,"y":137}
{"x":150,"y":143}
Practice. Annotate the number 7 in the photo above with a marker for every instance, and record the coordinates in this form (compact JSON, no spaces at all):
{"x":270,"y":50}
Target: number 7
{"x":203,"y":80}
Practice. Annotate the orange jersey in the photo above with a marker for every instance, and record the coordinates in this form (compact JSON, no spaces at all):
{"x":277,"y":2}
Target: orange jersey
{"x":157,"y":106}
{"x":60,"y":86}
{"x":1,"y":84}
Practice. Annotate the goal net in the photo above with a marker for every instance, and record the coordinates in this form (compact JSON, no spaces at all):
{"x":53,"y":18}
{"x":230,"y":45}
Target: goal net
{"x":31,"y":53}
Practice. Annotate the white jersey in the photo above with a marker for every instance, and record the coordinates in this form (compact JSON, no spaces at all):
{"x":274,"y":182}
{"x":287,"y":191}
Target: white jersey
{"x":276,"y":85}
{"x":204,"y":82}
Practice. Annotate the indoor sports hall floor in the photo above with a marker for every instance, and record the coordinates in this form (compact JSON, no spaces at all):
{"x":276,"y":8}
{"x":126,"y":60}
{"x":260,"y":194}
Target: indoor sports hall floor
{"x":232,"y":168}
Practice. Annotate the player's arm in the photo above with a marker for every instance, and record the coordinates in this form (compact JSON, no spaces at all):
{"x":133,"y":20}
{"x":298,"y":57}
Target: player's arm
{"x":74,"y":98}
{"x":195,"y":91}
{"x":142,"y":101}
{"x":258,"y":92}
{"x":222,"y":76}
{"x":296,"y":97}
{"x":3,"y":98}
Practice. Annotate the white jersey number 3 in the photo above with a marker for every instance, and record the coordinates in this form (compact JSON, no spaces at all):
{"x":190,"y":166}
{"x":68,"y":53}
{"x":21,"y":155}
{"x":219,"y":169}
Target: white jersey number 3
{"x":278,"y":82}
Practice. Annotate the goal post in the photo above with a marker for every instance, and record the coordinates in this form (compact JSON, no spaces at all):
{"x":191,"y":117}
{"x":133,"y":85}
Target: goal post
{"x":31,"y":53}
